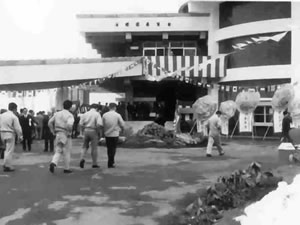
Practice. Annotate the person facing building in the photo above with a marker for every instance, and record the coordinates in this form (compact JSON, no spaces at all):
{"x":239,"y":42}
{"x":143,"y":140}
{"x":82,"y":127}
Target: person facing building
{"x":112,"y":125}
{"x":9,"y":129}
{"x":214,"y":134}
{"x":286,"y":126}
{"x":90,"y":123}
{"x":47,"y":135}
{"x":61,"y":125}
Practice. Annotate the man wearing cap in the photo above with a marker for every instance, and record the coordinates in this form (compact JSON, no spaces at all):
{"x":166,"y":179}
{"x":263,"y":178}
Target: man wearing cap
{"x":61,"y":125}
{"x":90,"y":123}
{"x":112,"y":125}
{"x":10,"y":128}
{"x":214,"y":134}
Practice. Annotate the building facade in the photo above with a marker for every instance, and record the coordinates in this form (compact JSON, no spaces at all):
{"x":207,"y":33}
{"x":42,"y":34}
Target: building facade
{"x":199,"y":31}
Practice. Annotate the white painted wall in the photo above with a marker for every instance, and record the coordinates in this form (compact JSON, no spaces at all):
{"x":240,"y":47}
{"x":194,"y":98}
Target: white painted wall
{"x":295,"y":24}
{"x":258,"y":72}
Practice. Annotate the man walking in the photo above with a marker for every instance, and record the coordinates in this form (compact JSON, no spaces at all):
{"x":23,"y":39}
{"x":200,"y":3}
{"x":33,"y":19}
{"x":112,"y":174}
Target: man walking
{"x":9,"y":128}
{"x":214,"y":136}
{"x":286,"y":126}
{"x":26,"y":121}
{"x":112,"y":125}
{"x":90,"y":123}
{"x":61,"y":125}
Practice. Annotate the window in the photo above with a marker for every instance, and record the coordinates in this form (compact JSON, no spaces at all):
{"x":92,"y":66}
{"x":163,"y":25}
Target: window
{"x":263,"y":116}
{"x":172,"y":48}
{"x":154,"y":51}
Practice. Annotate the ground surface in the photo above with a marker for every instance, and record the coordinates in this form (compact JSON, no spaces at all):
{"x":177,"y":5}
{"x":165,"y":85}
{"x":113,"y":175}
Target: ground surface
{"x":146,"y":185}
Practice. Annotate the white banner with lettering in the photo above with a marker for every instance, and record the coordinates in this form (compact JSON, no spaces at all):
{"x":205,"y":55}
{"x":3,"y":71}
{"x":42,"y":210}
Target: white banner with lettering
{"x":224,"y":126}
{"x":277,"y":120}
{"x":201,"y":127}
{"x":245,"y":122}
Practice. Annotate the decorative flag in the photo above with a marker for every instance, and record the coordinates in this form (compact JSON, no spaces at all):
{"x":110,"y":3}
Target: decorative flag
{"x":234,"y":89}
{"x":224,"y":126}
{"x":245,"y":122}
{"x":277,"y":120}
{"x":277,"y":38}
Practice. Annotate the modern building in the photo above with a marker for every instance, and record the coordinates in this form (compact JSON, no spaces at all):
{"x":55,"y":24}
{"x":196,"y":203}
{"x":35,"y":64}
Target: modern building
{"x":200,"y":30}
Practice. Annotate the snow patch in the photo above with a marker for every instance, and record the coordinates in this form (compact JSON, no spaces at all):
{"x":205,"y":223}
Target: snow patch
{"x":16,"y":215}
{"x":276,"y":208}
{"x":58,"y":205}
{"x":123,"y":188}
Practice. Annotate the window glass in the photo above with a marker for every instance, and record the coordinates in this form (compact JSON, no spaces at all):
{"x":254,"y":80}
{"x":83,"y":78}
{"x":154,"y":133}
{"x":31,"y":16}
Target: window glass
{"x":178,"y":51}
{"x":149,"y":52}
{"x":259,"y":118}
{"x":189,"y":51}
{"x":259,"y":110}
{"x":160,"y":52}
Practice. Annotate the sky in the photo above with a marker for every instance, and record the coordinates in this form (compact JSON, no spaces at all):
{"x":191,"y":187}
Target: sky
{"x":43,"y":29}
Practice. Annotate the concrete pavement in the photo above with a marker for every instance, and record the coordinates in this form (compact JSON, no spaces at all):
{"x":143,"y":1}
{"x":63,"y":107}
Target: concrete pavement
{"x":146,"y":185}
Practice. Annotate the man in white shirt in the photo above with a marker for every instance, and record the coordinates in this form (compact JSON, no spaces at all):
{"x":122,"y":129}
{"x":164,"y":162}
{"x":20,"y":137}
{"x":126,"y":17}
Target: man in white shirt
{"x":90,"y":123}
{"x":10,"y":128}
{"x":214,"y":136}
{"x":61,"y":125}
{"x":112,"y":125}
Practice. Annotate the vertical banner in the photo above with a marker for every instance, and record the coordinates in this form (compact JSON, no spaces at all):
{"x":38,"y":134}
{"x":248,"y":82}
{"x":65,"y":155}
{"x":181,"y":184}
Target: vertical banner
{"x":201,"y":127}
{"x":245,"y":122}
{"x":224,"y":126}
{"x":277,"y":121}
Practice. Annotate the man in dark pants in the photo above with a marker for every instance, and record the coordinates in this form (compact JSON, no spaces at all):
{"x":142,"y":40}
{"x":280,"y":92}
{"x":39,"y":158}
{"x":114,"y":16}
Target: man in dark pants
{"x":47,"y":135}
{"x":286,"y":126}
{"x":112,"y":125}
{"x":26,"y":121}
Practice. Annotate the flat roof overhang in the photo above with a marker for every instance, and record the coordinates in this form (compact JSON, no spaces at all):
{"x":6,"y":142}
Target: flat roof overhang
{"x":143,"y":23}
{"x":43,"y":74}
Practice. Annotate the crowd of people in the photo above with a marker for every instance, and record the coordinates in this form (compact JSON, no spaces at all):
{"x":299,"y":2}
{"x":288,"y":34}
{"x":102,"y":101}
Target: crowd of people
{"x":56,"y":129}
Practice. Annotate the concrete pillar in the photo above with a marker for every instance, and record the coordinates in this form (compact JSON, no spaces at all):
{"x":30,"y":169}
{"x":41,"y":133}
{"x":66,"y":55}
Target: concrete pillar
{"x":295,"y":41}
{"x":295,"y":52}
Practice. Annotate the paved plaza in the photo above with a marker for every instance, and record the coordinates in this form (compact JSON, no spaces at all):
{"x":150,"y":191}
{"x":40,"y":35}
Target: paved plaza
{"x":147,"y":184}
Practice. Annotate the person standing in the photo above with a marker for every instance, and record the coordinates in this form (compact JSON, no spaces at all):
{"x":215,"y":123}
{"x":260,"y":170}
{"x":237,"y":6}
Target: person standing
{"x":39,"y":127}
{"x":214,"y":134}
{"x":112,"y":125}
{"x":26,"y":121}
{"x":9,"y":128}
{"x":90,"y":123}
{"x":286,"y":126}
{"x":61,"y":125}
{"x":47,"y":135}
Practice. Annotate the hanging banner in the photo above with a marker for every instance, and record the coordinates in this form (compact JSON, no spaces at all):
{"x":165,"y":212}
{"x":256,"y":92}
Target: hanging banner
{"x":224,"y":126}
{"x":245,"y":122}
{"x":277,"y":120}
{"x":201,"y":127}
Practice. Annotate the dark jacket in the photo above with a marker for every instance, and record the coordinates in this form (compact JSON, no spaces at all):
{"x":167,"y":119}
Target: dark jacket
{"x":27,"y":124}
{"x":286,"y":125}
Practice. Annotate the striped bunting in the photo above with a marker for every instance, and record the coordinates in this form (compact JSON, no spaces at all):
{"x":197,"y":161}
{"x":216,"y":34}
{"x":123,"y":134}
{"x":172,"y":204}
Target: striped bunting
{"x":156,"y":68}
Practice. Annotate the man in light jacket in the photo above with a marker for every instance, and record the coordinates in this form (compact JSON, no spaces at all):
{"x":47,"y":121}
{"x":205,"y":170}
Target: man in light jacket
{"x":61,"y":125}
{"x":112,"y":125}
{"x":10,"y":128}
{"x":90,"y":123}
{"x":214,"y":134}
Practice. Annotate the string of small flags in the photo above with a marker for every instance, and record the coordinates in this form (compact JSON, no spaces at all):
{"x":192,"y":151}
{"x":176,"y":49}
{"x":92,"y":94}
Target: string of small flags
{"x":232,"y":88}
{"x":99,"y":81}
{"x":27,"y":93}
